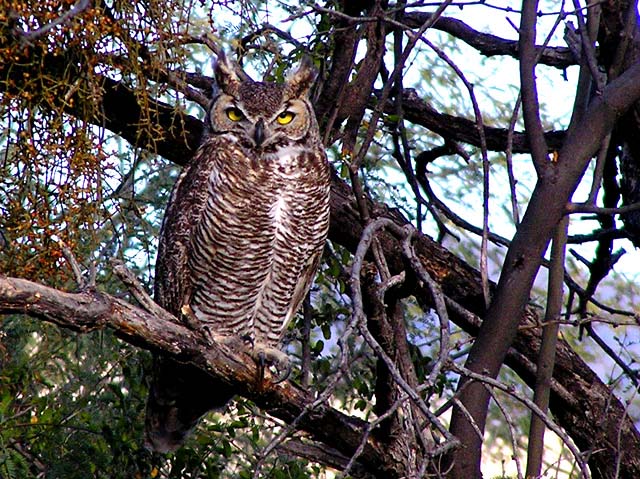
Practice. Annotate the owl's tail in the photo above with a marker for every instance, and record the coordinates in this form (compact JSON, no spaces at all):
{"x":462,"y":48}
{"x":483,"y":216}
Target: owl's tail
{"x":179,"y":395}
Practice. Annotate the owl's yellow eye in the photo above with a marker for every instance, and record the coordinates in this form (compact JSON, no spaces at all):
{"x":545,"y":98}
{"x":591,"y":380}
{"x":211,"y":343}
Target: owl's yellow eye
{"x":285,"y":117}
{"x":234,"y":114}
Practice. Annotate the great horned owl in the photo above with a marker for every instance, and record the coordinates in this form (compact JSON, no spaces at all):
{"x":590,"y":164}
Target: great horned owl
{"x":242,"y":235}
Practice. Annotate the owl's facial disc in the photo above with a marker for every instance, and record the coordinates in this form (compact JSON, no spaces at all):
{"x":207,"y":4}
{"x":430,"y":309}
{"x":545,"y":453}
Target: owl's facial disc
{"x":260,"y":122}
{"x":289,"y":123}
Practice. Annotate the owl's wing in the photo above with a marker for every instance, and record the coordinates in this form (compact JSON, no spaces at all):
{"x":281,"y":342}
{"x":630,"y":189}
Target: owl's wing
{"x":309,"y":270}
{"x":317,"y":230}
{"x":302,"y":287}
{"x":183,"y":212}
{"x":177,"y":394}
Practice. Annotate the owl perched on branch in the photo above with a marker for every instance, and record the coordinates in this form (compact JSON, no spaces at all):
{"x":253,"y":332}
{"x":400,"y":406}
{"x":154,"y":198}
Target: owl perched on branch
{"x":242,"y":236}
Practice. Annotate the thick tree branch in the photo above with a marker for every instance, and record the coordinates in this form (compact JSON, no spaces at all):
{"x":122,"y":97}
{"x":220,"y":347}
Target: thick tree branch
{"x":177,"y":138}
{"x":116,"y":107}
{"x":529,"y":88}
{"x":325,"y":455}
{"x":487,"y":44}
{"x":523,"y":259}
{"x":418,"y":111}
{"x":91,"y":310}
{"x":577,"y":393}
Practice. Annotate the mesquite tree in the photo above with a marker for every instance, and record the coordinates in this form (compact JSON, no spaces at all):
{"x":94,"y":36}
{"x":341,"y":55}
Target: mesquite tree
{"x":424,"y":337}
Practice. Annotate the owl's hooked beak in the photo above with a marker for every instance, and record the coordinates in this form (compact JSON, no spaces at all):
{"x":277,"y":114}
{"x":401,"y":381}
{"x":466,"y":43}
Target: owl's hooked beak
{"x":258,"y":132}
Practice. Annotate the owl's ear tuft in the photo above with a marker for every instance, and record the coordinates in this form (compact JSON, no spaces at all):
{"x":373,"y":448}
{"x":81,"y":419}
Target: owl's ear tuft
{"x":300,"y":80}
{"x":225,"y":72}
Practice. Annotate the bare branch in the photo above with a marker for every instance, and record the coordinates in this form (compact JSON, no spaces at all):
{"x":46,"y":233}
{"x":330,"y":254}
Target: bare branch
{"x":358,"y":310}
{"x":487,"y":44}
{"x":509,"y":160}
{"x":512,"y":434}
{"x":73,"y":263}
{"x":137,"y":290}
{"x":440,"y":304}
{"x":573,"y":208}
{"x":397,"y":71}
{"x":325,"y":455}
{"x":547,"y":353}
{"x":418,"y":111}
{"x":529,"y":92}
{"x":484,"y":269}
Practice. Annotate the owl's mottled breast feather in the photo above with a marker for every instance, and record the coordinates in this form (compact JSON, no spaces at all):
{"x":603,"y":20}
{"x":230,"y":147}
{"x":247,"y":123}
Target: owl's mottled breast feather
{"x":243,"y":235}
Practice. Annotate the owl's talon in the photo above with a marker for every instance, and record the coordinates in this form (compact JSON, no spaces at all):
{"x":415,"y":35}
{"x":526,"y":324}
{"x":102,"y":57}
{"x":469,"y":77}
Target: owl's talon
{"x":285,"y":375}
{"x":189,"y":317}
{"x":266,"y":356}
{"x":248,"y":340}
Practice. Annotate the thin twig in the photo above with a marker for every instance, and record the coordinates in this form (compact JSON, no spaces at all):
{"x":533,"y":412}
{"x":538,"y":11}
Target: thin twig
{"x":509,"y":160}
{"x":512,"y":435}
{"x":573,"y":208}
{"x":307,"y":316}
{"x":454,"y":218}
{"x":512,"y":391}
{"x":440,"y":305}
{"x":397,"y":71}
{"x":359,"y":317}
{"x":588,"y":49}
{"x":397,"y":376}
{"x":292,"y":427}
{"x":420,"y":177}
{"x":137,"y":290}
{"x":72,"y":262}
{"x":29,"y":36}
{"x":633,"y":375}
{"x":484,"y":267}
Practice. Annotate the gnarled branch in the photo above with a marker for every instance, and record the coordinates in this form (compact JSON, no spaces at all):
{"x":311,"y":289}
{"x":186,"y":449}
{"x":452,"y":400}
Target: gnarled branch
{"x":91,"y":310}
